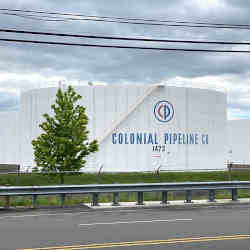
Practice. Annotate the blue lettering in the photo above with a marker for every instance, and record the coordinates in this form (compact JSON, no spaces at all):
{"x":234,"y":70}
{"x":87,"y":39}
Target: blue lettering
{"x":204,"y":139}
{"x":196,"y":138}
{"x":183,"y":139}
{"x":139,"y":138}
{"x":175,"y":137}
{"x":126,"y":138}
{"x":114,"y":138}
{"x":179,"y":138}
{"x":191,"y":137}
{"x":156,"y":141}
{"x":132,"y":138}
{"x":150,"y":139}
{"x":120,"y":138}
{"x":165,"y":138}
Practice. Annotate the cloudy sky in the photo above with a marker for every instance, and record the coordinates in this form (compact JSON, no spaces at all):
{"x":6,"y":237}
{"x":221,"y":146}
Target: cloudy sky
{"x":26,"y":66}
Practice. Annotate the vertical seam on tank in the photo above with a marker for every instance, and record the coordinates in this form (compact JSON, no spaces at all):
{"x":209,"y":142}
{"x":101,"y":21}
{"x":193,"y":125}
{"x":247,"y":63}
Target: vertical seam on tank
{"x":105,"y":120}
{"x":93,"y":111}
{"x":187,"y":126}
{"x":136,"y":115}
{"x":127,"y":119}
{"x":115,"y":118}
{"x":146,"y":100}
{"x":94,"y":121}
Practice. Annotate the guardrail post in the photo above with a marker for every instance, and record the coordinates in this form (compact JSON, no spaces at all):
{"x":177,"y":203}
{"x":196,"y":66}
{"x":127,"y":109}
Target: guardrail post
{"x":234,"y":194}
{"x":211,"y":196}
{"x":63,"y":200}
{"x":116,"y":199}
{"x":188,"y":196}
{"x":7,"y":202}
{"x":95,"y":201}
{"x":164,"y":197}
{"x":34,"y":200}
{"x":140,"y":198}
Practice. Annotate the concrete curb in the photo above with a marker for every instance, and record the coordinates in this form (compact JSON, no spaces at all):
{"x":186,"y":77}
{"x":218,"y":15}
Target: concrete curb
{"x":179,"y":203}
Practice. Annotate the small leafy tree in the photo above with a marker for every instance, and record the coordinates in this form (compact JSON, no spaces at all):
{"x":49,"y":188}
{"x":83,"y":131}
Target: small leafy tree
{"x":64,"y":144}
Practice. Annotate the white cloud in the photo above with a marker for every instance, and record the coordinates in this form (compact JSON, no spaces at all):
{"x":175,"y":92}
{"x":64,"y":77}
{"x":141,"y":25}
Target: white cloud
{"x":24,"y":67}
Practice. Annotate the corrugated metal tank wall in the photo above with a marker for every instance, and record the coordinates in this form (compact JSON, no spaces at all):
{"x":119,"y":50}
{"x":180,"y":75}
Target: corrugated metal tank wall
{"x":238,"y":142}
{"x":196,"y":111}
{"x":9,"y":138}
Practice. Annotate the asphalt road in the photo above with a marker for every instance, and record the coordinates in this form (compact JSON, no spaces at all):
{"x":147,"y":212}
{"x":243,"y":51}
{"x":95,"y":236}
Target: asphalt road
{"x":216,"y":227}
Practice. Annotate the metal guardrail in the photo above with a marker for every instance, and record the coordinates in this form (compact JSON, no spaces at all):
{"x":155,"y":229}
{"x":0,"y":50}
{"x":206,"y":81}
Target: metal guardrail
{"x":41,"y":172}
{"x":95,"y":190}
{"x":10,"y":168}
{"x":238,"y":166}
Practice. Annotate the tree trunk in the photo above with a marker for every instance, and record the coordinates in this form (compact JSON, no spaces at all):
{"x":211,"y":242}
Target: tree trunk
{"x":62,"y":178}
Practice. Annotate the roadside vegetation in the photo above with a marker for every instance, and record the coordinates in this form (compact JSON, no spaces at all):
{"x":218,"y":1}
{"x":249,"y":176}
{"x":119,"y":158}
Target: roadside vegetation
{"x":37,"y":179}
{"x":85,"y":178}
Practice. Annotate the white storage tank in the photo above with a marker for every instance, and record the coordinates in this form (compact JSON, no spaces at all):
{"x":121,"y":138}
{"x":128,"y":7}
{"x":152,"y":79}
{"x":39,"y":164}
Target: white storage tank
{"x":9,"y":138}
{"x":238,"y":143}
{"x":141,"y":127}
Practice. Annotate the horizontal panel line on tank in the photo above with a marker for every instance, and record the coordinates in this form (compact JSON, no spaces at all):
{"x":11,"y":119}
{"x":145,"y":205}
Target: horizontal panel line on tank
{"x":154,"y":138}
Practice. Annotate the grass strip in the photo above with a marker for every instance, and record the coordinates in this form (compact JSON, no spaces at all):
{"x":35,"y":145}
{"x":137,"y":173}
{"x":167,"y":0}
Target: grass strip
{"x":31,"y":179}
{"x":122,"y":178}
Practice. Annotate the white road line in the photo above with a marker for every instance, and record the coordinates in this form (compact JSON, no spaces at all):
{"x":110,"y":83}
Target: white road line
{"x":132,"y":222}
{"x":53,"y":214}
{"x":38,"y":215}
{"x":112,"y":211}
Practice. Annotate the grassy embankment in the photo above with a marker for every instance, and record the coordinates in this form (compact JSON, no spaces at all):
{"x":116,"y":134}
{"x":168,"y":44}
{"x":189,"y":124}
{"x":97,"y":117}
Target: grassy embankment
{"x":38,"y":179}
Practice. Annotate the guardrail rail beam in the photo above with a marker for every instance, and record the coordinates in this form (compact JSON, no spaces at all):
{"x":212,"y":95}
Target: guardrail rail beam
{"x":7,"y":191}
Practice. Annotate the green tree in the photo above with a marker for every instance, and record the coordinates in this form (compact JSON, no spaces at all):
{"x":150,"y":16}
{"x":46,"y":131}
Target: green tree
{"x":63,"y":144}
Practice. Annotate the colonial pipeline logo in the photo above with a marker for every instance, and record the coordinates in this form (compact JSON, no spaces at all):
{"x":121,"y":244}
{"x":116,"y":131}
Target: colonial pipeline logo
{"x":163,"y":111}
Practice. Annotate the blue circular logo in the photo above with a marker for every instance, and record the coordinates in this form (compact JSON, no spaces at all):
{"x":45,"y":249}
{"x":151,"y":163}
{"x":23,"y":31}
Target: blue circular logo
{"x":163,"y":111}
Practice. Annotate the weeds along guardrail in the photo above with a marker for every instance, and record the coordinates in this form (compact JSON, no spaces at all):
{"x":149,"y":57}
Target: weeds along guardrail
{"x":98,"y":176}
{"x":96,"y":190}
